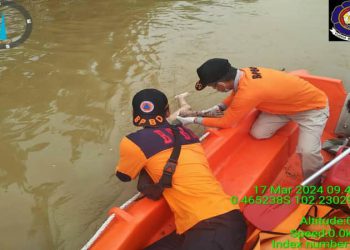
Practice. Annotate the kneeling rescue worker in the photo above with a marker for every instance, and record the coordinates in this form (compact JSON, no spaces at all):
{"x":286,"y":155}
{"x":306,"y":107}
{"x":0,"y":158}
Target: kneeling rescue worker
{"x":280,"y":97}
{"x":204,"y":216}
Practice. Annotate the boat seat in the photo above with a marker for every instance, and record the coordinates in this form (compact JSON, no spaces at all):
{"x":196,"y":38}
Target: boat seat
{"x":244,"y":161}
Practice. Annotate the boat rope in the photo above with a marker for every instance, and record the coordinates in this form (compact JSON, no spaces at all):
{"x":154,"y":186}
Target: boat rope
{"x":108,"y":221}
{"x":98,"y":232}
{"x":124,"y":206}
{"x":131,"y":200}
{"x":205,"y":135}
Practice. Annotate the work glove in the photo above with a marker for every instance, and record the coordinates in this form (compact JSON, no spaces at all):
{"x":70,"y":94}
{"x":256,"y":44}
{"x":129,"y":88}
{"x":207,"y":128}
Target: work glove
{"x":213,"y":111}
{"x":214,"y":108}
{"x":186,"y":120}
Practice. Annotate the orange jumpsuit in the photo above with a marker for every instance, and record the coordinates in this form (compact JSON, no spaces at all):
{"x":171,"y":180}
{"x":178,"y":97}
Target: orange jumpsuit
{"x":271,"y":91}
{"x":282,"y":98}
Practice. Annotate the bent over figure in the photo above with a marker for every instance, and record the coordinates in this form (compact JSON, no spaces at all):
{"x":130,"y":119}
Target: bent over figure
{"x":204,"y":216}
{"x":280,"y":97}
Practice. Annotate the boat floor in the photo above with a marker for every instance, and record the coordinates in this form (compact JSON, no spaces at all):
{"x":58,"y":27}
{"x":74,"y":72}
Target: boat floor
{"x":270,"y":162}
{"x":239,"y":163}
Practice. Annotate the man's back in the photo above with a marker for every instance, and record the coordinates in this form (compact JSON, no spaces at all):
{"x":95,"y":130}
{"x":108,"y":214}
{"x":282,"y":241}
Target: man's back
{"x":277,"y":92}
{"x":270,"y":91}
{"x":195,"y":194}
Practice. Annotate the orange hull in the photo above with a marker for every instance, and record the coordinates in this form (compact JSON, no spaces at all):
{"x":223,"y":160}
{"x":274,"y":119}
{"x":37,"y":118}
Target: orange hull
{"x":238,"y":161}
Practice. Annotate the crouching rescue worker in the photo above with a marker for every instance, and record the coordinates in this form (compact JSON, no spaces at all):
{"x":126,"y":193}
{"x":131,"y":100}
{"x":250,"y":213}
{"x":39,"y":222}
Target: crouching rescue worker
{"x":280,"y":97}
{"x":174,"y":159}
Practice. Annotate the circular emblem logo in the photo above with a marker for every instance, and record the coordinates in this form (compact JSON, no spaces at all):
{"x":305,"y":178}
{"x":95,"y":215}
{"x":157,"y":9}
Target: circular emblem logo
{"x":15,"y":24}
{"x":341,"y":21}
{"x":199,"y":86}
{"x":146,"y":106}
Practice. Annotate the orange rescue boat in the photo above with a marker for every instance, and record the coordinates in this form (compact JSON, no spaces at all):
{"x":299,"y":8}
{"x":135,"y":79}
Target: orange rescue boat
{"x":239,"y":163}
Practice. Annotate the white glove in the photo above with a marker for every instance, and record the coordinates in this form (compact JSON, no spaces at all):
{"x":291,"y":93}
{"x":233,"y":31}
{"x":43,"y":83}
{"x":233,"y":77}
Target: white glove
{"x":213,"y":111}
{"x":186,"y":120}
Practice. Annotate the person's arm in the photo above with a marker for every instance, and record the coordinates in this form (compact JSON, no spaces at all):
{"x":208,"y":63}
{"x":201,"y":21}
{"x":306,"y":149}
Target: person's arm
{"x":216,"y":108}
{"x":228,"y":100}
{"x":131,"y":160}
{"x":239,"y":107}
{"x":222,"y":106}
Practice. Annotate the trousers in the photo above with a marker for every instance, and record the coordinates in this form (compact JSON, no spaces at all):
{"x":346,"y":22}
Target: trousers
{"x":223,"y":232}
{"x":311,"y":125}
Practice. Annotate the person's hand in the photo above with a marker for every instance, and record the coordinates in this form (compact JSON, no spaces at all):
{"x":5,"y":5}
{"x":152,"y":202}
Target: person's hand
{"x":186,"y":120}
{"x":212,"y":112}
{"x":215,"y":108}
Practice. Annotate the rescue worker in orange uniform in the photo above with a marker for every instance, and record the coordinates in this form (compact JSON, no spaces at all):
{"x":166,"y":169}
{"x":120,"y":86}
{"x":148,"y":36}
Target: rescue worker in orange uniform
{"x":280,"y":97}
{"x":204,"y":214}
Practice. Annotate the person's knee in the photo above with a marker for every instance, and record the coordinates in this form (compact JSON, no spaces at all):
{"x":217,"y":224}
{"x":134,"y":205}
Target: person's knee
{"x":259,"y":133}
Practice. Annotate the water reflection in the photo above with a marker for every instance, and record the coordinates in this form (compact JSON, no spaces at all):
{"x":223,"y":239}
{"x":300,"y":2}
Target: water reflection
{"x":12,"y":169}
{"x":42,"y":224}
{"x":65,"y":95}
{"x":57,"y":118}
{"x":246,"y":1}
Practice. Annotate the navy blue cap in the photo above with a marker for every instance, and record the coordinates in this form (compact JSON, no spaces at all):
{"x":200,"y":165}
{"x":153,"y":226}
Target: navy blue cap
{"x":212,"y":71}
{"x":149,"y":107}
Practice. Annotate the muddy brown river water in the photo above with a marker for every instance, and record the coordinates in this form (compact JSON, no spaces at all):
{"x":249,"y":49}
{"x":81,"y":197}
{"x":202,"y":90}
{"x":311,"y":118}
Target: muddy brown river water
{"x":65,"y":94}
